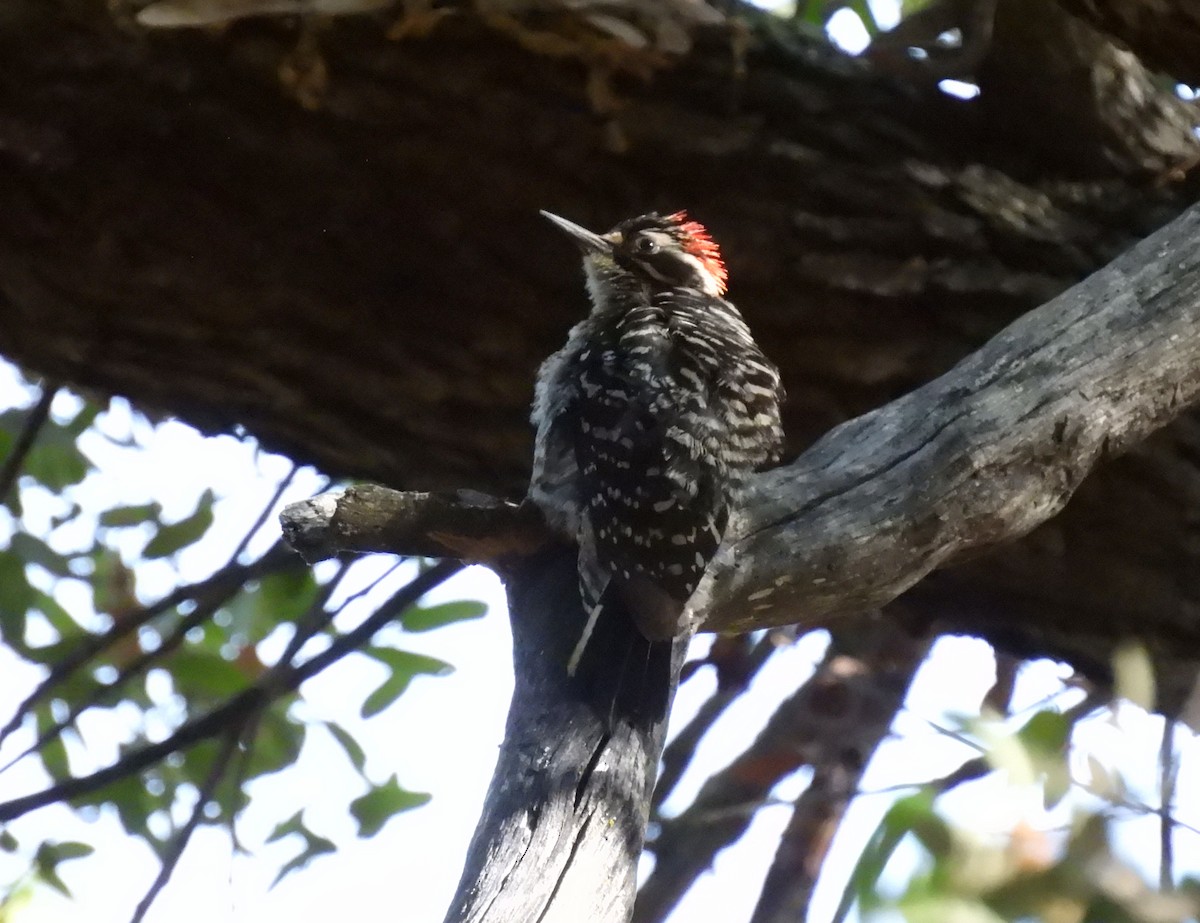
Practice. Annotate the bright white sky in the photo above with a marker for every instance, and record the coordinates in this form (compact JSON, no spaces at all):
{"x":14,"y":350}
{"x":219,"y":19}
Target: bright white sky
{"x":442,"y":734}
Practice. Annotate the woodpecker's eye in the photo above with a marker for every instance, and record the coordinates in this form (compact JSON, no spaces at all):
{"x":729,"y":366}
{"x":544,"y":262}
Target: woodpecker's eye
{"x":645,"y":246}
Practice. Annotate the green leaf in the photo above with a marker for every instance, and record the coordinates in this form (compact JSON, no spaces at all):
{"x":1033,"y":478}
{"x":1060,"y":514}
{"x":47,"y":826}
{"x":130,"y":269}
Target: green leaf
{"x":284,"y":597}
{"x":317,"y":846}
{"x":178,"y":535}
{"x":59,"y":618}
{"x":16,"y":598}
{"x":377,"y":806}
{"x":82,"y":420}
{"x":50,"y":855}
{"x":274,"y":600}
{"x":32,"y":550}
{"x":352,"y":747}
{"x":120,"y":517}
{"x":426,"y":619}
{"x":940,"y":908}
{"x":1133,"y":674}
{"x":8,"y":842}
{"x":862,"y":8}
{"x":314,"y":845}
{"x":202,"y":673}
{"x":387,"y":693}
{"x":911,"y":814}
{"x":73,"y":850}
{"x":813,"y":12}
{"x":294,"y":824}
{"x":1045,"y":738}
{"x":130,"y":798}
{"x":276,"y":744}
{"x":403,"y":665}
{"x":53,"y":752}
{"x":1046,"y":734}
{"x":55,"y":466}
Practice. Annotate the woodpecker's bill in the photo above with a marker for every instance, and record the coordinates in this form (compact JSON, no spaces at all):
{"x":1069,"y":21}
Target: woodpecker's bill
{"x":649,"y":419}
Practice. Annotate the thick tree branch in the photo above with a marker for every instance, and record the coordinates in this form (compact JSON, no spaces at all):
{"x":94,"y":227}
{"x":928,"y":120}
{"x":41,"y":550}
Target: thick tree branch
{"x":1164,"y":33}
{"x":369,"y":289}
{"x":466,"y":524}
{"x":565,"y":815}
{"x":977,"y":457}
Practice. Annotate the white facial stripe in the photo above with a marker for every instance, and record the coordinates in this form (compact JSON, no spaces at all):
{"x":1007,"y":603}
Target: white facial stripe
{"x":708,"y":282}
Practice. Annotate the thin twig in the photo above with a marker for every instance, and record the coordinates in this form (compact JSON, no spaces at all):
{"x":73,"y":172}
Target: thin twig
{"x":272,"y":685}
{"x":284,"y":483}
{"x":221,"y":586}
{"x":175,"y":850}
{"x":1166,"y":789}
{"x":360,"y":634}
{"x":306,"y":626}
{"x":317,"y":616}
{"x":145,"y":660}
{"x":104,"y":692}
{"x":38,"y":414}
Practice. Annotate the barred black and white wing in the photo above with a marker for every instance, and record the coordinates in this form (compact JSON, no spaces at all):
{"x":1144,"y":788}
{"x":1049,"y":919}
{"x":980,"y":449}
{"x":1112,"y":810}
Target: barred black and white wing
{"x":649,"y":420}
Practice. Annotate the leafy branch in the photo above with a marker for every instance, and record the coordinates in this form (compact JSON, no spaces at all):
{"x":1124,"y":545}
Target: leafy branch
{"x":281,"y":679}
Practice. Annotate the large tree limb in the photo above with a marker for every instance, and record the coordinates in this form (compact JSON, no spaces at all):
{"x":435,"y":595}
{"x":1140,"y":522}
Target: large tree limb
{"x":976,"y":458}
{"x":1164,"y":34}
{"x":980,"y":456}
{"x":565,"y":815}
{"x":367,"y":287}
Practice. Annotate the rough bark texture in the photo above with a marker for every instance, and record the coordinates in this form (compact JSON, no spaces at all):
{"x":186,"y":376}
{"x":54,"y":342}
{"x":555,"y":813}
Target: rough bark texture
{"x":367,"y":285}
{"x":1164,"y":35}
{"x":980,"y":456}
{"x":983,"y":454}
{"x":566,"y":812}
{"x":465,"y":524}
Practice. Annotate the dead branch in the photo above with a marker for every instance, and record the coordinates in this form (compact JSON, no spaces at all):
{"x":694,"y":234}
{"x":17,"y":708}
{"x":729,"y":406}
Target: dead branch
{"x":464,"y":524}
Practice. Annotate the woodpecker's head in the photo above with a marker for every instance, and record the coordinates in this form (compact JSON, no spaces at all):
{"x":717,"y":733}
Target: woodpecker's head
{"x":652,"y":251}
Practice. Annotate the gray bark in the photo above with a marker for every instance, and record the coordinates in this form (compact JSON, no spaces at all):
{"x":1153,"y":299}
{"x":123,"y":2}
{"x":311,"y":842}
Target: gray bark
{"x":980,"y":456}
{"x":565,"y":816}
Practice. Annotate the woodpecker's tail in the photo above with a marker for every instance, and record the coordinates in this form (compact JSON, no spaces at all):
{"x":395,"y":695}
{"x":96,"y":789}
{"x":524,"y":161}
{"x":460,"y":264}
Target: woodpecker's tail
{"x":624,"y":675}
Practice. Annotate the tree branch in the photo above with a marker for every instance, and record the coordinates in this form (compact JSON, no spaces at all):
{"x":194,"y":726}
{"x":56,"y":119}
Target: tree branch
{"x":279,"y":680}
{"x":465,"y":524}
{"x":835,"y":719}
{"x":565,"y":815}
{"x":974,"y":459}
{"x":1163,"y":34}
{"x":10,"y":468}
{"x":209,"y":594}
{"x":978,"y":457}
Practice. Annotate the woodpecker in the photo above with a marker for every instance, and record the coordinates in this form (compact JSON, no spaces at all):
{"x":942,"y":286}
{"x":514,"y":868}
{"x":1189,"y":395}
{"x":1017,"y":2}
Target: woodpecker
{"x":648,"y":421}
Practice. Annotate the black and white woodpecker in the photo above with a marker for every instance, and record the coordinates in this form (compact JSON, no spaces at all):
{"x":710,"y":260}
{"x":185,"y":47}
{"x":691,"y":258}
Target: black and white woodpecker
{"x":648,"y":421}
